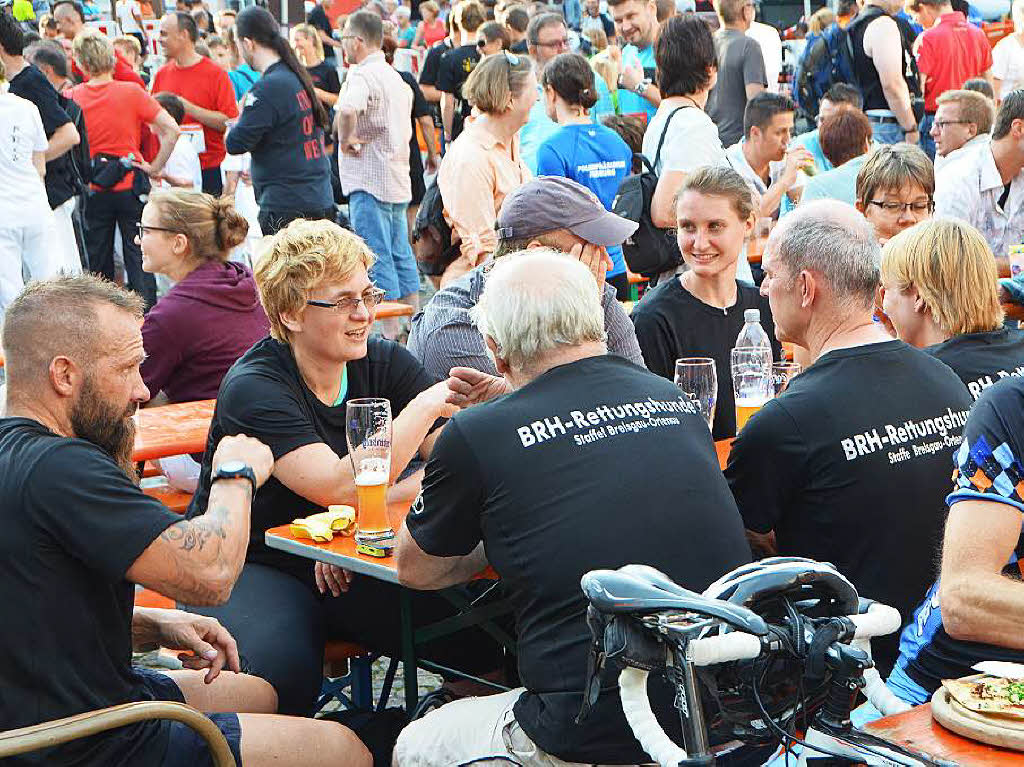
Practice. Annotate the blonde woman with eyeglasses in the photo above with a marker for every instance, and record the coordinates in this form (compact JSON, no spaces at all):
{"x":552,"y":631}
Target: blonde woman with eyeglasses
{"x":290,"y":391}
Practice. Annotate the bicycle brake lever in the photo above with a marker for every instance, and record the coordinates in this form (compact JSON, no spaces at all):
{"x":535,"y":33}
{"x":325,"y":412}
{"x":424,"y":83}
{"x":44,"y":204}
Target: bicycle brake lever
{"x":597,"y":622}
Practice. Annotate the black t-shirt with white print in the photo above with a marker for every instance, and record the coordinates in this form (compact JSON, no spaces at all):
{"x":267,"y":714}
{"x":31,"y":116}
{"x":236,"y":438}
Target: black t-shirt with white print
{"x":850,"y":465}
{"x":555,"y":479}
{"x":263,"y":395}
{"x":671,"y":322}
{"x":981,"y":359}
{"x":454,"y":70}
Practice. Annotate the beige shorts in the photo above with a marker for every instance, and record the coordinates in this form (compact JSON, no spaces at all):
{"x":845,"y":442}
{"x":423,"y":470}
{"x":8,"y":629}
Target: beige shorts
{"x":481,"y":730}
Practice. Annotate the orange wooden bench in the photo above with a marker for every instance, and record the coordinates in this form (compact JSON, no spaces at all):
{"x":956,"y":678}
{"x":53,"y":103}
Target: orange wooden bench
{"x":386,"y":309}
{"x":175,"y":500}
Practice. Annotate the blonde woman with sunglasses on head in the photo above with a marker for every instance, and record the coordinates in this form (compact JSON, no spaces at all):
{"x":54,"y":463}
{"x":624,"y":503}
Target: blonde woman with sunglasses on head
{"x":484,"y":163}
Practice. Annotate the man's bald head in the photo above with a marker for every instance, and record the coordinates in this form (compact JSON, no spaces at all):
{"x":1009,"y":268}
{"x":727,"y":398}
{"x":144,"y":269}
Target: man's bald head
{"x":59,"y":318}
{"x":834,"y":241}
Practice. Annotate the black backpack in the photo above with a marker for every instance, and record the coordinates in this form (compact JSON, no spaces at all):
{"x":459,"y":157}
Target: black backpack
{"x":431,"y":236}
{"x":651,"y":250}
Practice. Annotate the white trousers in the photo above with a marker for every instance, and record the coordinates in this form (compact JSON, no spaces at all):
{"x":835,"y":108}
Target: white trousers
{"x":27,"y":244}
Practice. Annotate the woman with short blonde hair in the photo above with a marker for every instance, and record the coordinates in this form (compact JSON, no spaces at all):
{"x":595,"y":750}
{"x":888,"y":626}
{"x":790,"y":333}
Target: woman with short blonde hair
{"x":484,"y":163}
{"x":291,"y":392}
{"x":941,"y":293}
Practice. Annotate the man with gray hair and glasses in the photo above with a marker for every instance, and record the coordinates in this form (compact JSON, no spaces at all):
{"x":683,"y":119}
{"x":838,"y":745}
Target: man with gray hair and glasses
{"x":850,"y":464}
{"x":548,"y":211}
{"x":532,"y":482}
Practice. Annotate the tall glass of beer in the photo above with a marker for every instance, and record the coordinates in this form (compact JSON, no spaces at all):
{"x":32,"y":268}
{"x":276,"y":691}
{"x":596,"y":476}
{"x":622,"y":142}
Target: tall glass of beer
{"x":368,"y":430}
{"x":751,"y":380}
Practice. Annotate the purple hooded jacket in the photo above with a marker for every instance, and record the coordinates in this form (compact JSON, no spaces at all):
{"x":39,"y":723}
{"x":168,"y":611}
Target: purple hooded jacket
{"x":197,"y":331}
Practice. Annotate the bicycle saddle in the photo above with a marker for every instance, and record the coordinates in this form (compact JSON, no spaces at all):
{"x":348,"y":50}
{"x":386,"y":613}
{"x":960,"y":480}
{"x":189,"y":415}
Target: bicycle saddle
{"x":645,"y":590}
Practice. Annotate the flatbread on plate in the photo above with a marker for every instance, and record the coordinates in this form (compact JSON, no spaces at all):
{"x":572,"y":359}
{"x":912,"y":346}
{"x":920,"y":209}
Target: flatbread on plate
{"x":988,"y":695}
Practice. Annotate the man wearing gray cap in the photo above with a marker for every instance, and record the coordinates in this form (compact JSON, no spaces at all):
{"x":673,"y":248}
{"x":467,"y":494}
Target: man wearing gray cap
{"x":547,"y":211}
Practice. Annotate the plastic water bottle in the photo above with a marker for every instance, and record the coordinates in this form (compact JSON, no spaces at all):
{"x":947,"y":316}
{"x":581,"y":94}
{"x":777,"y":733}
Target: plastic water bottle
{"x":751,"y":367}
{"x":752,"y":333}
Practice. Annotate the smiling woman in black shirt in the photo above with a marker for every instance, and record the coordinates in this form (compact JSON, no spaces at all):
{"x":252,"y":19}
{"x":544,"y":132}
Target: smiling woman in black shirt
{"x":291,"y":390}
{"x":700,"y":312}
{"x":940,"y":284}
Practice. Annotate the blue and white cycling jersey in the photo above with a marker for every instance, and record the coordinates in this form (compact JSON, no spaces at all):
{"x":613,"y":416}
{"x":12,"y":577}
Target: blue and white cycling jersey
{"x":988,"y":468}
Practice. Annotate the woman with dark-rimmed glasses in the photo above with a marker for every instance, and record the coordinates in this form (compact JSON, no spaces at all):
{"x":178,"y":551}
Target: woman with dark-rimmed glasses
{"x":290,"y":391}
{"x":896,"y":189}
{"x":212,"y":314}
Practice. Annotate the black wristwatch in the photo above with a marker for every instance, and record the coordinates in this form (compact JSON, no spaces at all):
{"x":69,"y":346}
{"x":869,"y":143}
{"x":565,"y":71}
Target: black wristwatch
{"x":235,"y":470}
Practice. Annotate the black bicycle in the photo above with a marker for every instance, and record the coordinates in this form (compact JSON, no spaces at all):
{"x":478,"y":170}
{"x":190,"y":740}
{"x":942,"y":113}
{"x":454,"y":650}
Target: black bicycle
{"x":770,"y":649}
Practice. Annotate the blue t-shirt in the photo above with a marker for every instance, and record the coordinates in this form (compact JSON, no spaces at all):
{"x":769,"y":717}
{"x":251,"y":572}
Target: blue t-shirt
{"x":539,"y":127}
{"x":594,"y":156}
{"x":242,"y":79}
{"x":629,"y":102}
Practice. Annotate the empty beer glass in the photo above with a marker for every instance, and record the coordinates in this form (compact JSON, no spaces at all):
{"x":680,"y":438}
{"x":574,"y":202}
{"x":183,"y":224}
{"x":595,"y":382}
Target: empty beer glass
{"x":697,"y":378}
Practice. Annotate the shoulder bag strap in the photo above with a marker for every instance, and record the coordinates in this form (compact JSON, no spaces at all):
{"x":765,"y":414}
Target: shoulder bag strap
{"x":664,"y":132}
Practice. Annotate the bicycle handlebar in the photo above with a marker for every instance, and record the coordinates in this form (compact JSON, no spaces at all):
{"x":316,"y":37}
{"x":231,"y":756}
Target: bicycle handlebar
{"x":738,"y":645}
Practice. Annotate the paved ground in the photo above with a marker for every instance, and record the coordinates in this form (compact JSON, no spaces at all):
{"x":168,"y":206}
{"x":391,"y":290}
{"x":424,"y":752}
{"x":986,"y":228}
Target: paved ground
{"x":427,"y":681}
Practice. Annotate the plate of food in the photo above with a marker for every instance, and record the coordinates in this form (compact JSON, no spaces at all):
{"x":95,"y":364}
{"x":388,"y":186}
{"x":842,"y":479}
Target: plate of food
{"x":986,"y":708}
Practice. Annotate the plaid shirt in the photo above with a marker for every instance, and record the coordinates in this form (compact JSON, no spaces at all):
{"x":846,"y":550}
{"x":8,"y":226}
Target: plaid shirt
{"x":443,"y":335}
{"x":383,"y":104}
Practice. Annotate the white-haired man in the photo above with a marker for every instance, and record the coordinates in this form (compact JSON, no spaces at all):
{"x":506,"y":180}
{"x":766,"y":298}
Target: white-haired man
{"x":534,"y":479}
{"x":850,"y":465}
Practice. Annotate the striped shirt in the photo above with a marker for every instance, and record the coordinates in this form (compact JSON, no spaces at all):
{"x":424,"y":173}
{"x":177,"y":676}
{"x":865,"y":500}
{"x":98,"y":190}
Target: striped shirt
{"x":383,"y":103}
{"x":443,"y":335}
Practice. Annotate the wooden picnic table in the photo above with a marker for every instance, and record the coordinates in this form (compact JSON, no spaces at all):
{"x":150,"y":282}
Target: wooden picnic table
{"x":386,"y":309}
{"x":722,"y":447}
{"x":915,"y":729}
{"x":341,"y":551}
{"x":168,"y":430}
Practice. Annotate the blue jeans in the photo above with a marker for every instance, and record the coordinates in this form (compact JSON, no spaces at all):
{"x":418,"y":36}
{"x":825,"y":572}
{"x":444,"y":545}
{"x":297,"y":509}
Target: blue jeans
{"x":927,"y":142}
{"x":383,"y":226}
{"x":886,"y":133}
{"x":573,"y":13}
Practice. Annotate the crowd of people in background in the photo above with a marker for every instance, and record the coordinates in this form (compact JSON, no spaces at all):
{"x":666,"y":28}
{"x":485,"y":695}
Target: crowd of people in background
{"x":250,"y":194}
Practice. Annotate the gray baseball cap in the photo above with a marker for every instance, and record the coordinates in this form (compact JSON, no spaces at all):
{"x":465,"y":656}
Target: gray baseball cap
{"x":546,"y":203}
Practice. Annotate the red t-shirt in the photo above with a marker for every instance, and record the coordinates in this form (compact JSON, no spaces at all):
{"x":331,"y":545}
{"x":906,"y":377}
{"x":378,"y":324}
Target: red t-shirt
{"x":122,"y":70}
{"x":208,"y":86}
{"x":950,"y":53}
{"x":114,"y":115}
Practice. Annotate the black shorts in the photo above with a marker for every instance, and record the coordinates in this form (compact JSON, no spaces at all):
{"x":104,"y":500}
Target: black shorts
{"x":186,"y":747}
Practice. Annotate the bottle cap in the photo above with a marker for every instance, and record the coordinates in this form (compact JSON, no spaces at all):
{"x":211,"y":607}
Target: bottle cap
{"x":751,"y":315}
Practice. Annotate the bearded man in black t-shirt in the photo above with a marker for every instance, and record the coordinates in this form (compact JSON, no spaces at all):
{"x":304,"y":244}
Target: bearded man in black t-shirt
{"x":78,"y":533}
{"x":545,"y":483}
{"x":850,"y":465}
